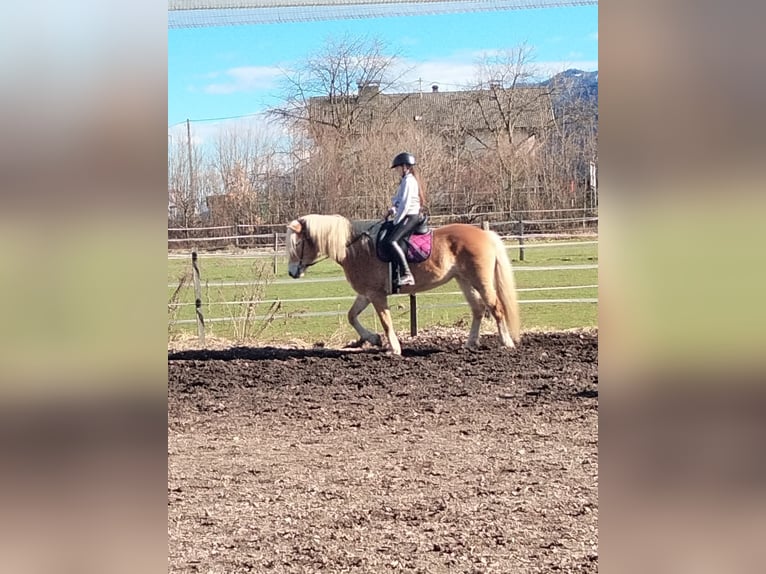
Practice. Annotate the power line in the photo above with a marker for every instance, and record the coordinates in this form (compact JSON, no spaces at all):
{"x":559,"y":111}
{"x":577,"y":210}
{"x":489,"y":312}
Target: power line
{"x":217,"y":119}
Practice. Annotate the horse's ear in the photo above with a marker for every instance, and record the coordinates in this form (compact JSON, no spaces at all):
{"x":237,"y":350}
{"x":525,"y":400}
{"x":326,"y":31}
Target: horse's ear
{"x":296,"y":226}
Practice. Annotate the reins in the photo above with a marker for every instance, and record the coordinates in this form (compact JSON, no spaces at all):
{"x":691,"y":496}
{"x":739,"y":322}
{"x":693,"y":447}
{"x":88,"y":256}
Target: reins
{"x":365,"y":232}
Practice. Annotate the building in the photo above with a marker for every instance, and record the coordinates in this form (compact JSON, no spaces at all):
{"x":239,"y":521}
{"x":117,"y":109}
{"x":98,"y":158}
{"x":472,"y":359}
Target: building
{"x":471,"y":117}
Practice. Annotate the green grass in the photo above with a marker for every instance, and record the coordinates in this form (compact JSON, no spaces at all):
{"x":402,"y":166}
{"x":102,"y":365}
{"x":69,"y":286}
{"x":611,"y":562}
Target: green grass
{"x":336,"y":329}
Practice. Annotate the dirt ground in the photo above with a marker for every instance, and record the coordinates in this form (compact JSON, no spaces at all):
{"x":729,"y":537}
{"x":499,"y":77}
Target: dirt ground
{"x":444,"y":460}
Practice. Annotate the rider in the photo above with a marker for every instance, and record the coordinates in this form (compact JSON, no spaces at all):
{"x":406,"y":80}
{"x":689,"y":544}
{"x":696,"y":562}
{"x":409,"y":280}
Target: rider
{"x":407,"y":203}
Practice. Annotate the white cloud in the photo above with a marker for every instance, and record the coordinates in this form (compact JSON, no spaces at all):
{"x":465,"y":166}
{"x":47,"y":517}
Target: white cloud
{"x":488,"y":54}
{"x":409,"y":41}
{"x":244,"y":79}
{"x":450,"y":74}
{"x":593,"y":36}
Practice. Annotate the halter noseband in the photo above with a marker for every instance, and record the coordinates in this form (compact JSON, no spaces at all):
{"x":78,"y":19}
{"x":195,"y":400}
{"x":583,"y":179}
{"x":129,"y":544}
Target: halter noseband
{"x":302,"y":265}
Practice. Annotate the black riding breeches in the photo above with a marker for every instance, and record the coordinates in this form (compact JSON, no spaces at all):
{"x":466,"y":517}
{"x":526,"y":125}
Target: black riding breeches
{"x":403,"y":228}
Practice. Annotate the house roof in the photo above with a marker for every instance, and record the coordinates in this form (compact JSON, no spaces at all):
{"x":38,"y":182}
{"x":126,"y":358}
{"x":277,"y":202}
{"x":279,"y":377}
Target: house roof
{"x":529,"y":107}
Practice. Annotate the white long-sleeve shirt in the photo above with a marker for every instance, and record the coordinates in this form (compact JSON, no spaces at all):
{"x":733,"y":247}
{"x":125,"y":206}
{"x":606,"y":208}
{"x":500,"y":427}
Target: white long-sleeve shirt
{"x":407,"y":198}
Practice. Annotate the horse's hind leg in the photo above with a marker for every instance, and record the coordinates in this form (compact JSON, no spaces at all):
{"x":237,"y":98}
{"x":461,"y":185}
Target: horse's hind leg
{"x":477,"y":310}
{"x":381,"y":306}
{"x":360,"y":304}
{"x":485,"y":285}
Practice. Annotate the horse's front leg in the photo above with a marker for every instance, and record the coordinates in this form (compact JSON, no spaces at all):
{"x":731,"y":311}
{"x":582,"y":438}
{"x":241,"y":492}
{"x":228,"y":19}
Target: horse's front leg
{"x":360,"y":304}
{"x":380,"y":302}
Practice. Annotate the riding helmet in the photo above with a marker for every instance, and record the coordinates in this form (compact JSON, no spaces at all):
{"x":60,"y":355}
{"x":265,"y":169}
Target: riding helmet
{"x":403,"y":158}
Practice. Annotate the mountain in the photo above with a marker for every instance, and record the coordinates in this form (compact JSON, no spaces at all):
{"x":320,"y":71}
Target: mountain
{"x":574,"y":89}
{"x":574,"y":84}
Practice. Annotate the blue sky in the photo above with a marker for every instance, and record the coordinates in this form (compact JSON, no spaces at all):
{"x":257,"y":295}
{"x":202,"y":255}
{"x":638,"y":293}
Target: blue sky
{"x":223,"y":72}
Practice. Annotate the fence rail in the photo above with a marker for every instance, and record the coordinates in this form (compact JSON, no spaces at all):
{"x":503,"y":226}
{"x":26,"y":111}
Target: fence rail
{"x":273,"y":234}
{"x":220,"y":238}
{"x":339,"y":278}
{"x":484,"y":215}
{"x":352,"y":297}
{"x":260,"y":254}
{"x":276,"y":316}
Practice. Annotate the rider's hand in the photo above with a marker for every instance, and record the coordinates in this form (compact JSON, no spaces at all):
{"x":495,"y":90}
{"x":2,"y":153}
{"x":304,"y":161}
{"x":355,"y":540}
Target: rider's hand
{"x":390,"y":212}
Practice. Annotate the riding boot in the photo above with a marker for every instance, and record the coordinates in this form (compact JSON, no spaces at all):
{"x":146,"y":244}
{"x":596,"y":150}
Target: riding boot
{"x":405,"y":275}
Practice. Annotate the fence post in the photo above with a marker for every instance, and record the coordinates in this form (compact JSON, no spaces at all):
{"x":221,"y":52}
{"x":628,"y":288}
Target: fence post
{"x":485,"y":225}
{"x":236,"y":235}
{"x":413,"y":315}
{"x":521,"y":240}
{"x":198,"y":299}
{"x":276,"y":252}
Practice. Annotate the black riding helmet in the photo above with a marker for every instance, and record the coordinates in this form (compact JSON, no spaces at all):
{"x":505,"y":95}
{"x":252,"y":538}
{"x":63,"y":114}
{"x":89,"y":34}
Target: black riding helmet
{"x":403,"y":158}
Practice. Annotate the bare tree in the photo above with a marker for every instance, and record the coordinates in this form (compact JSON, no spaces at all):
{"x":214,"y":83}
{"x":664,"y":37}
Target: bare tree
{"x":245,"y":162}
{"x":337,"y":86}
{"x":563,"y":165}
{"x":185,"y":163}
{"x":505,"y":97}
{"x":514,"y":115}
{"x":333,"y":108}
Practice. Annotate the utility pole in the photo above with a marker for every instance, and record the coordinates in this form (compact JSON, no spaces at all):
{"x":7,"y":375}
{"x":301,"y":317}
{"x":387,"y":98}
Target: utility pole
{"x":192,"y":193}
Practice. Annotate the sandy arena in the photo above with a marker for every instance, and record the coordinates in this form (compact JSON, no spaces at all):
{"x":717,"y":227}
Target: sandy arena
{"x":444,"y":460}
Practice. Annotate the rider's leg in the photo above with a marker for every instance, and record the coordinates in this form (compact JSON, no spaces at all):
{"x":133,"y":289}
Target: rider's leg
{"x":405,"y":227}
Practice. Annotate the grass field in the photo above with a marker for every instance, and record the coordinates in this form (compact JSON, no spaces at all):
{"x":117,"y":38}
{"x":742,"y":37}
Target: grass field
{"x":232,"y":302}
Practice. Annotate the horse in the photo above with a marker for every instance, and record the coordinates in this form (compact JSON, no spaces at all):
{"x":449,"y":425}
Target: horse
{"x":474,"y":257}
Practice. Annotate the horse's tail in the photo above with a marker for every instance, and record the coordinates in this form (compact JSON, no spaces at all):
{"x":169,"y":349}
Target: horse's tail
{"x":505,"y":285}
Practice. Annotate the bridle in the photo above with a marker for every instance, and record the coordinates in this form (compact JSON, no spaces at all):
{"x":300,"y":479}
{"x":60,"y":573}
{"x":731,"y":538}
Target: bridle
{"x":301,"y":264}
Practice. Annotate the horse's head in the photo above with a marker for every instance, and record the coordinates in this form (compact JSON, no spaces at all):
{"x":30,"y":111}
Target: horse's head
{"x":301,"y":250}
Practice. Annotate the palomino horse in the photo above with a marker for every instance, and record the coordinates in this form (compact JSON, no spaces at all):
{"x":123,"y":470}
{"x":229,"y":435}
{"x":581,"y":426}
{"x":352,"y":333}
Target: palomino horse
{"x":474,"y":257}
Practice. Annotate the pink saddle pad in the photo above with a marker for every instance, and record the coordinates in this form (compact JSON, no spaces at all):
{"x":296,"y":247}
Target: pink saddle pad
{"x":419,"y":247}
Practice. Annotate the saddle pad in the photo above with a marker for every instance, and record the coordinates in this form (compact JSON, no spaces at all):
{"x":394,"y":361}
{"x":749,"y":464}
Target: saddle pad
{"x":416,"y":247}
{"x":419,"y":247}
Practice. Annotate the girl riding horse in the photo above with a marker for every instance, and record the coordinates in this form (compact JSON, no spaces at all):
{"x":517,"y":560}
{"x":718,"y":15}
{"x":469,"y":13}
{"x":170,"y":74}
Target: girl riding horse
{"x":407,"y":204}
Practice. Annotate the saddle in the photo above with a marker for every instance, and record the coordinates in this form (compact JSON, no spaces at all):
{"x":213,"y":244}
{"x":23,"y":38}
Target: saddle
{"x":416,"y":246}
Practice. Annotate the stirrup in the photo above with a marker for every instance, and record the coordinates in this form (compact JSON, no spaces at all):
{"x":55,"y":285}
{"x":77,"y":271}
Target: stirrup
{"x":406,"y":280}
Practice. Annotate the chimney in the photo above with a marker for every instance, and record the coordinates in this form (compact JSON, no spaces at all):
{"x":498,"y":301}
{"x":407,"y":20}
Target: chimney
{"x":368,"y":89}
{"x":435,"y":88}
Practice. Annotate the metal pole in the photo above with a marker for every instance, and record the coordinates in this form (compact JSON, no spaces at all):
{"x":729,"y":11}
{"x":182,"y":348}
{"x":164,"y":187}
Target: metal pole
{"x":198,"y":299}
{"x":521,"y":240}
{"x":276,"y":252}
{"x":413,"y":315}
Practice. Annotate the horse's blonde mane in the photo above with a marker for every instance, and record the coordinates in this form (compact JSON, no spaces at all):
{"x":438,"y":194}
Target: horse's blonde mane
{"x":330,"y":234}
